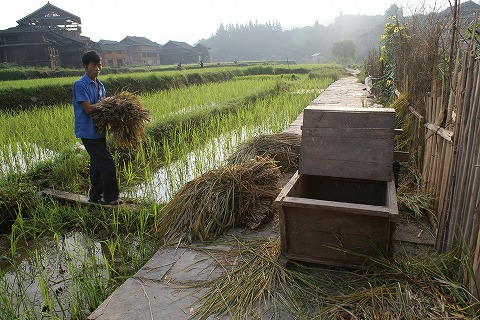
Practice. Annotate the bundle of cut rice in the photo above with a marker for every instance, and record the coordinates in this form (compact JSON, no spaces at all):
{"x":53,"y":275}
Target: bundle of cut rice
{"x":282,"y":147}
{"x":223,"y":198}
{"x":123,"y":116}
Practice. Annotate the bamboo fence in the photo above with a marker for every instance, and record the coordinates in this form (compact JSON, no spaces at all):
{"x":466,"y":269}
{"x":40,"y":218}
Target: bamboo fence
{"x":451,"y":163}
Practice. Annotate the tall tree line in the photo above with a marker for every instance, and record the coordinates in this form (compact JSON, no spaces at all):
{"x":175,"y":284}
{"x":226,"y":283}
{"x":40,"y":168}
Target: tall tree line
{"x":270,"y":41}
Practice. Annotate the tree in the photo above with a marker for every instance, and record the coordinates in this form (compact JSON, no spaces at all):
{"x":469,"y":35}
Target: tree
{"x":344,"y":51}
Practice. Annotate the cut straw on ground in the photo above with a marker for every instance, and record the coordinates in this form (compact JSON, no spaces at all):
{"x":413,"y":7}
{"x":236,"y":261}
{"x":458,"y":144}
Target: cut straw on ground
{"x":224,"y":198}
{"x":282,"y":147}
{"x":261,"y":288}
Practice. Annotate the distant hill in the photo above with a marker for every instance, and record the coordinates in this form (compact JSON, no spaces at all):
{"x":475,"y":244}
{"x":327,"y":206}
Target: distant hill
{"x":254,"y":41}
{"x":270,"y":41}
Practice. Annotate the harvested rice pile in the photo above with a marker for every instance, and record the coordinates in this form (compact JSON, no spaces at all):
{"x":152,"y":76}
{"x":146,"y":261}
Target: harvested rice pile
{"x":223,"y":198}
{"x":282,"y":147}
{"x":123,"y":116}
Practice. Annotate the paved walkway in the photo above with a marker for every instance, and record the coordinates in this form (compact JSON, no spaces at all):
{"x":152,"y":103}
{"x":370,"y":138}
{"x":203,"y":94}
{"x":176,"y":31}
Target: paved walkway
{"x":162,"y":289}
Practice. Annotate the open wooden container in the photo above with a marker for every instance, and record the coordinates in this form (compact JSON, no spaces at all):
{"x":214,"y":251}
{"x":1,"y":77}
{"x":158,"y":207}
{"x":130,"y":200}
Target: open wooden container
{"x":340,"y":206}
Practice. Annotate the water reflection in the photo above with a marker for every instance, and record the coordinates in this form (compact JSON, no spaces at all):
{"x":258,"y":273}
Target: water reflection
{"x":166,"y":181}
{"x":50,"y":262}
{"x":21,"y":157}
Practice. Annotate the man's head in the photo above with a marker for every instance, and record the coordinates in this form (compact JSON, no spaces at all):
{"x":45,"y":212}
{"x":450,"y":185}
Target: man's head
{"x":92,"y":63}
{"x":91,"y":57}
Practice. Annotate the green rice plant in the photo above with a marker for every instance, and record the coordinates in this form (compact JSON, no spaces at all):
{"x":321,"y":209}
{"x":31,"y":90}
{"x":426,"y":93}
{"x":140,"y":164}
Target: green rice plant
{"x":50,"y":128}
{"x":254,"y":109}
{"x":12,"y":306}
{"x":85,"y":295}
{"x":16,"y":195}
{"x":70,"y":275}
{"x":220,"y":133}
{"x":47,"y":304}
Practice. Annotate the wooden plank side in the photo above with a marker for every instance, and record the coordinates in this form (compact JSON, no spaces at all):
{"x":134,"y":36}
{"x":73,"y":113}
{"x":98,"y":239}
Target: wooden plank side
{"x":360,"y":133}
{"x":286,"y":189}
{"x":324,"y":233}
{"x":346,"y":169}
{"x":345,"y":149}
{"x":392,"y":201}
{"x":340,"y":207}
{"x":325,"y":117}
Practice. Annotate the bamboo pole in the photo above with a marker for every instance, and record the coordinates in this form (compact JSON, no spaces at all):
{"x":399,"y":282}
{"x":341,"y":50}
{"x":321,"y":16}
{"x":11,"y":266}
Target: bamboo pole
{"x":460,"y":193}
{"x":446,"y":174}
{"x":440,"y":174}
{"x":474,"y":283}
{"x":426,"y":183}
{"x":440,"y":151}
{"x":453,"y":86}
{"x":471,"y":161}
{"x":451,"y":218}
{"x":474,"y":205}
{"x":443,"y":210}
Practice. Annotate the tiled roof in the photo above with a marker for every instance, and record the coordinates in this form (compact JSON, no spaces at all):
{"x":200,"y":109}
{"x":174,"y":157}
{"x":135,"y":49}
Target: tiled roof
{"x":180,"y":44}
{"x":50,"y":8}
{"x":138,"y":40}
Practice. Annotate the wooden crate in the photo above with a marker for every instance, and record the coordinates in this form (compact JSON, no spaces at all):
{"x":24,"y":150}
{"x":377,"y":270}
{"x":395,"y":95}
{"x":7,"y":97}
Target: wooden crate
{"x":336,"y":221}
{"x":340,"y":207}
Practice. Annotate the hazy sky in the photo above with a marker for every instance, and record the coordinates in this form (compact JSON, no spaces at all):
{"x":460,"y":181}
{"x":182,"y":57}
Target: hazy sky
{"x":192,"y":20}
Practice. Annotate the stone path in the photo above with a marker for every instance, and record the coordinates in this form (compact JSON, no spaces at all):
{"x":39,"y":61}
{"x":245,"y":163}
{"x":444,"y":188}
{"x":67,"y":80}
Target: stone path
{"x":162,"y":289}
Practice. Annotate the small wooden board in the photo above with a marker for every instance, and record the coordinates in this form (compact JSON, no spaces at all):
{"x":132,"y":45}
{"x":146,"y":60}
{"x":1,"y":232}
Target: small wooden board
{"x":82,"y":199}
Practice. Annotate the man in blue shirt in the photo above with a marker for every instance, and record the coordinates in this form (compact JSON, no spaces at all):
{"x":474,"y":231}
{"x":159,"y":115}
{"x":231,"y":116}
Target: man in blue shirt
{"x":87,"y":92}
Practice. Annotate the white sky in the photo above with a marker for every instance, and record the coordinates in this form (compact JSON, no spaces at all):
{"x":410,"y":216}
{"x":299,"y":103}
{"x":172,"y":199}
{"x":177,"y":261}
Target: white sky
{"x":192,"y":20}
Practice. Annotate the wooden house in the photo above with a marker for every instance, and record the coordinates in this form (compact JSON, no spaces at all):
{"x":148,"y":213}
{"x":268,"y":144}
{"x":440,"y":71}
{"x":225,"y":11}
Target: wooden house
{"x":139,"y":51}
{"x":47,"y":37}
{"x":204,"y":52}
{"x":113,"y":53}
{"x":174,"y":52}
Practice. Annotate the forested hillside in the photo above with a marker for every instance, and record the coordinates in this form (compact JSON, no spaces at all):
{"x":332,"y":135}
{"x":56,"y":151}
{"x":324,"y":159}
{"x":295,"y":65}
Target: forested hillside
{"x":270,"y":41}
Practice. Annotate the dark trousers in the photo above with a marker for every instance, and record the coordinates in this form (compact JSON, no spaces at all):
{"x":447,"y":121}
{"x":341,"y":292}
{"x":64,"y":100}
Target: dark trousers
{"x":103,"y":175}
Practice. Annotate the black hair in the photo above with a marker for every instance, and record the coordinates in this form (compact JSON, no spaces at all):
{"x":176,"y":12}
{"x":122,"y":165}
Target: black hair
{"x":91,"y":57}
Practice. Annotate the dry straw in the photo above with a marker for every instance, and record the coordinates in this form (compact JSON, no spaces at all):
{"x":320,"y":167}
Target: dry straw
{"x":282,"y":147}
{"x":123,"y":116}
{"x":221,"y":199}
{"x":260,"y":287}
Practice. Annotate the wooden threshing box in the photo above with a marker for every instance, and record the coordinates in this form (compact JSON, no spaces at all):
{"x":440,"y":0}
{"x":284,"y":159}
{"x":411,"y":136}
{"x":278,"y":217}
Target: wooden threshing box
{"x":341,"y":204}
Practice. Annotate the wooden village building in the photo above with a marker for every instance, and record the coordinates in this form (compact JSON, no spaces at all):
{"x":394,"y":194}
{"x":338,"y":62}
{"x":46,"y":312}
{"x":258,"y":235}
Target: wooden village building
{"x":174,"y":52}
{"x":140,"y":51}
{"x":51,"y":37}
{"x":113,"y":54}
{"x":48,"y":37}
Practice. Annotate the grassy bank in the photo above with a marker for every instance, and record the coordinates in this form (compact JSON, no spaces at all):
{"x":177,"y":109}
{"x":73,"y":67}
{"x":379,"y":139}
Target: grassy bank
{"x":33,"y":93}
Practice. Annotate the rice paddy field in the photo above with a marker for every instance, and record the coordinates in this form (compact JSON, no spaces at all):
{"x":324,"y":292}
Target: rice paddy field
{"x":61,"y":261}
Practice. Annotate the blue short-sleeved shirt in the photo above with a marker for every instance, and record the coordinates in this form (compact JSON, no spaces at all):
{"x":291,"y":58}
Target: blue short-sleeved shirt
{"x":84,"y":89}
